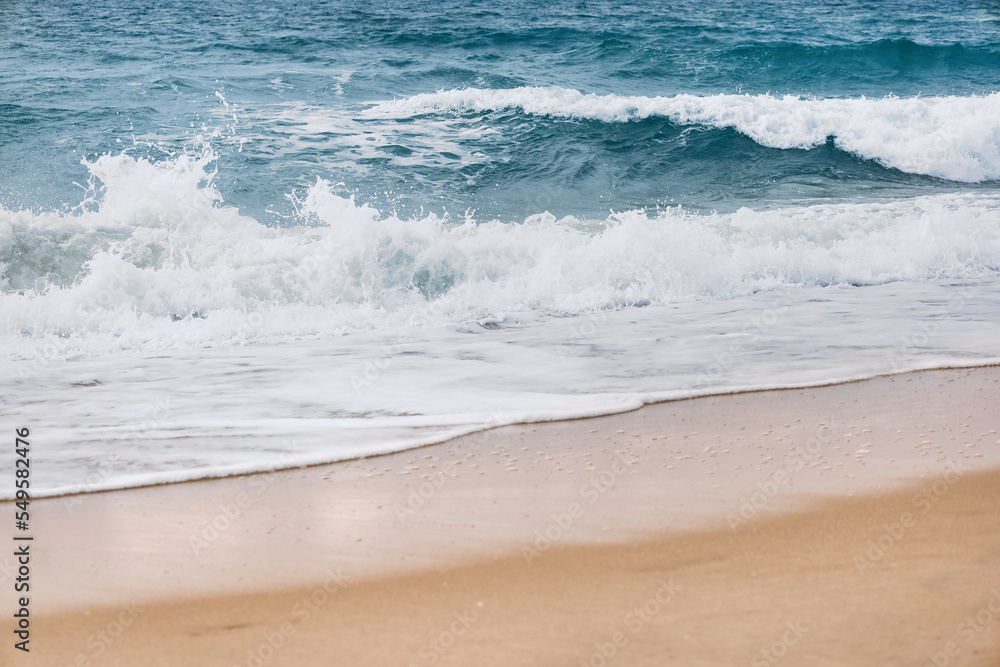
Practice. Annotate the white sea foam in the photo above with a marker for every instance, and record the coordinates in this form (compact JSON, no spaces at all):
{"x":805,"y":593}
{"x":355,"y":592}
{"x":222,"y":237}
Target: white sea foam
{"x":156,"y":245}
{"x":454,"y":325}
{"x":955,"y":138}
{"x":293,"y":127}
{"x":135,"y":418}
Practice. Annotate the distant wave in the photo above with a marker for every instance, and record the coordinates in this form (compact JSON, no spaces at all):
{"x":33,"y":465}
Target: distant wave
{"x":899,"y":55}
{"x":953,"y":138}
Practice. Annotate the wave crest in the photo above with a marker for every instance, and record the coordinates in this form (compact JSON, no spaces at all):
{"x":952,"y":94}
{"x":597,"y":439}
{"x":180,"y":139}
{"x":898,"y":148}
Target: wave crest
{"x":954,"y":138}
{"x":155,"y":258}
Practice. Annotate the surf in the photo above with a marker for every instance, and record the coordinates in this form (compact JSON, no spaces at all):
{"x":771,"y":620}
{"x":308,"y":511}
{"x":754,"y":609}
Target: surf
{"x":917,"y":135}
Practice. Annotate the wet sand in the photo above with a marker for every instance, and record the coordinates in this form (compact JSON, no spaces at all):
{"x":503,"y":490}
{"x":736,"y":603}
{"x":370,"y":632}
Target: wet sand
{"x":742,"y":521}
{"x":807,"y":589}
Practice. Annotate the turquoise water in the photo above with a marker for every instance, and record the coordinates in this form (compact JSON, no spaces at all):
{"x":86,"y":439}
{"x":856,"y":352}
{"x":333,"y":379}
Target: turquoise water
{"x":243,"y":235}
{"x":83,"y":79}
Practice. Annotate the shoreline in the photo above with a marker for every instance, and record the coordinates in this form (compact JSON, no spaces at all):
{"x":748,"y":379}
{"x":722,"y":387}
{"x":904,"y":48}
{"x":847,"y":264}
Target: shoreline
{"x":221,"y":475}
{"x":710,"y":470}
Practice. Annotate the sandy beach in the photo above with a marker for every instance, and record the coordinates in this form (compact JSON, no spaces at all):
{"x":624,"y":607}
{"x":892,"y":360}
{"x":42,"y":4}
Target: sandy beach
{"x":559,"y":334}
{"x":849,"y":524}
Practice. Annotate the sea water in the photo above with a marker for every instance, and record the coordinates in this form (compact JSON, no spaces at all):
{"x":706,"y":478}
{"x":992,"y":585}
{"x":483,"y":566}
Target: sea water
{"x":247,"y":235}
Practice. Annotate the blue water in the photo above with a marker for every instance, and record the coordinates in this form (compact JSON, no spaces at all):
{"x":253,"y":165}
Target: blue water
{"x":248,"y":234}
{"x":82,"y":79}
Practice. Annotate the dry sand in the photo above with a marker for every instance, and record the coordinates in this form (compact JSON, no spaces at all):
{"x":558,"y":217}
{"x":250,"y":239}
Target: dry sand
{"x":853,"y":524}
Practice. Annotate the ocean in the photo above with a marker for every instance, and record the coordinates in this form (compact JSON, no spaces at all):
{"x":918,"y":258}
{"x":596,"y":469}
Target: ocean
{"x":249,"y":235}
